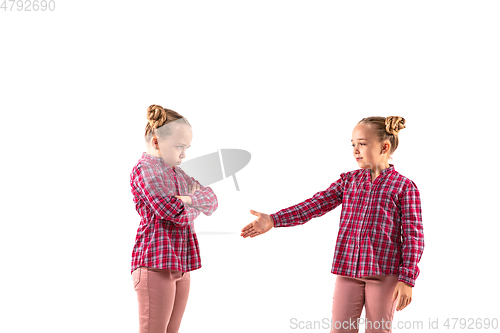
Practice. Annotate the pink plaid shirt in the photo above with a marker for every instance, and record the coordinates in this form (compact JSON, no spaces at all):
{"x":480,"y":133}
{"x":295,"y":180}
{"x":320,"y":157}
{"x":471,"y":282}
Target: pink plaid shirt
{"x":166,"y":237}
{"x":381,"y":231}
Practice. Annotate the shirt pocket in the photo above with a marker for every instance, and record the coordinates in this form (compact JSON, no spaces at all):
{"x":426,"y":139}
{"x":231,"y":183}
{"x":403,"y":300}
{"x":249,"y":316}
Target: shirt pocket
{"x":136,"y":277}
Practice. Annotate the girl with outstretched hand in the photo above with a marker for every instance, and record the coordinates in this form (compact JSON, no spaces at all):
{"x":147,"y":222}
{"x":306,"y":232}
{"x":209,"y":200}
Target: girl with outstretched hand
{"x":380,"y":239}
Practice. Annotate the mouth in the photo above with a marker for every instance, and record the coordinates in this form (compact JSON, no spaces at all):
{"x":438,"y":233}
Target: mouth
{"x":359,"y":158}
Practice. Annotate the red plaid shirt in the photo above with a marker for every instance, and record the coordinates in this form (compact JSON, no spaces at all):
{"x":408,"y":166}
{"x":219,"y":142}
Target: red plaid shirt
{"x":166,"y":237}
{"x":380,"y":230}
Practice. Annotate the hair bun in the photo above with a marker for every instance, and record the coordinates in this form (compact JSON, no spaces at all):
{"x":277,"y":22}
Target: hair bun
{"x":394,"y":124}
{"x":156,"y":115}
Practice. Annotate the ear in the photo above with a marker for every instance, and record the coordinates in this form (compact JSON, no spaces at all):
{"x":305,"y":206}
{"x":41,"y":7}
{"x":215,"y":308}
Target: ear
{"x":386,"y":146}
{"x":153,"y":142}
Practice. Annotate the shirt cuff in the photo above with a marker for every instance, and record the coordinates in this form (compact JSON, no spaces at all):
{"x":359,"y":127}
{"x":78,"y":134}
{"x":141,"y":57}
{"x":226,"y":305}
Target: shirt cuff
{"x":194,"y":200}
{"x":405,"y":278}
{"x":276,"y":220}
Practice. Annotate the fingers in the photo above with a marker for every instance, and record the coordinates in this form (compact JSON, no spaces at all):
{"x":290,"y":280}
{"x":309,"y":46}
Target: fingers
{"x":249,"y":231}
{"x":251,"y":234}
{"x":252,"y":229}
{"x":254,"y":212}
{"x":194,"y":187}
{"x":394,"y":295}
{"x":403,"y":303}
{"x":248,"y":226}
{"x":400,"y":303}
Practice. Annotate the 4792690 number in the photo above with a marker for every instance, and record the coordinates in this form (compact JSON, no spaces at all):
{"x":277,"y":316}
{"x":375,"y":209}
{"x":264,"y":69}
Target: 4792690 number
{"x":471,"y":323}
{"x":28,"y":5}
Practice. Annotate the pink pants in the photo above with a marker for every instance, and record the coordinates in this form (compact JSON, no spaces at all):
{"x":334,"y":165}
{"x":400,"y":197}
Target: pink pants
{"x":162,"y":296}
{"x":374,"y":292}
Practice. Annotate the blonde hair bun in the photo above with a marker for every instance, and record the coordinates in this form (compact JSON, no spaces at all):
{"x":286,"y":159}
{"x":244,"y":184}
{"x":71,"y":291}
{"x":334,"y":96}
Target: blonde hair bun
{"x":394,"y":124}
{"x":162,"y":122}
{"x":156,"y":115}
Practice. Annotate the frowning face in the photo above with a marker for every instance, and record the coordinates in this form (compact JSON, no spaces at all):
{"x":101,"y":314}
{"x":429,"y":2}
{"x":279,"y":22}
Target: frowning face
{"x":173,"y":149}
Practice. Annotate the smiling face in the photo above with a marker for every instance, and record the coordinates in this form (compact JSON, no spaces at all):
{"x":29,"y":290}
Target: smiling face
{"x":367,"y":151}
{"x":173,"y":149}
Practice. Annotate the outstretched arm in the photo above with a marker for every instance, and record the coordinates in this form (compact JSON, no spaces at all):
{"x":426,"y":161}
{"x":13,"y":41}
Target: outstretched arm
{"x":321,"y":203}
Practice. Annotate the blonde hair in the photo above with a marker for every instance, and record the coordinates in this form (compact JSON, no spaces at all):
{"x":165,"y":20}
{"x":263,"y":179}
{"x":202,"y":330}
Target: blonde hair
{"x":386,"y":128}
{"x":161,"y":121}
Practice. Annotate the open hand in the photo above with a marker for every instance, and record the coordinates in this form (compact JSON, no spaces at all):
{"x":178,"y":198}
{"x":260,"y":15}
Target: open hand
{"x":403,"y":290}
{"x":261,"y":225}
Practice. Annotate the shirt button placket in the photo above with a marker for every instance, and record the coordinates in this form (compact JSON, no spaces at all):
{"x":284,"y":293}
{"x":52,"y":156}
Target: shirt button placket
{"x":175,"y":181}
{"x":367,"y":191}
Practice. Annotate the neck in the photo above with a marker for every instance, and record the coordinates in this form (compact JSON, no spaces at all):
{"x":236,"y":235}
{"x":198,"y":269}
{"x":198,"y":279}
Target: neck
{"x":153,"y":152}
{"x":378,"y":168}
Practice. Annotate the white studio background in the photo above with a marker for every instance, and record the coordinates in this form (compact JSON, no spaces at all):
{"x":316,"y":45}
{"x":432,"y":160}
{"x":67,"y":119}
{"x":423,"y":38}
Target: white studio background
{"x":286,"y":81}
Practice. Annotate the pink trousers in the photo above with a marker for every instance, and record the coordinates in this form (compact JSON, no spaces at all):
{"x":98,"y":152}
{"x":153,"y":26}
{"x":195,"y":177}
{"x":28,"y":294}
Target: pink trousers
{"x":162,"y":296}
{"x":374,"y":292}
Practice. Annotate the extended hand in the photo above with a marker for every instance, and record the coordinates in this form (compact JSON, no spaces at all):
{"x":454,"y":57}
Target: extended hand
{"x":402,"y":290}
{"x":261,"y":225}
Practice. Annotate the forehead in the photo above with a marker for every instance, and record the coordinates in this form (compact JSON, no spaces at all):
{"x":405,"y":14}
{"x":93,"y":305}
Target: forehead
{"x":182,"y":132}
{"x":362,"y":131}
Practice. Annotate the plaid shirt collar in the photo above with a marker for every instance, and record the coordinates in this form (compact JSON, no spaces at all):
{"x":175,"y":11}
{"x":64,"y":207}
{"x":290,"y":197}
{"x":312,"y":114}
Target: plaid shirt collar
{"x":388,"y":170}
{"x":156,"y":159}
